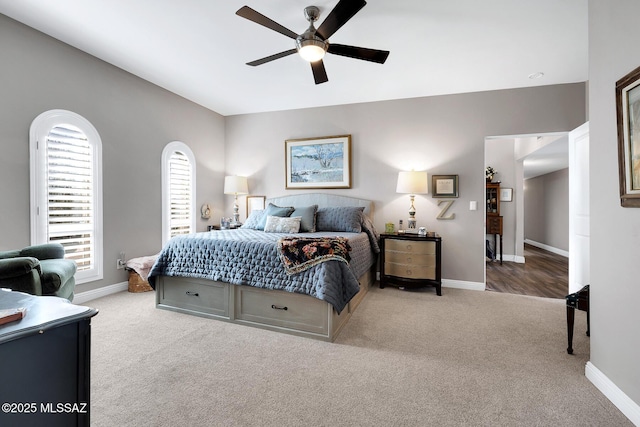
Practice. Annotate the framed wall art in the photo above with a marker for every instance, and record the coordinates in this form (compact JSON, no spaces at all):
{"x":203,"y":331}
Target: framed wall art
{"x":255,"y":203}
{"x":444,"y":185}
{"x":506,"y":194}
{"x":628,"y":117}
{"x":323,"y":162}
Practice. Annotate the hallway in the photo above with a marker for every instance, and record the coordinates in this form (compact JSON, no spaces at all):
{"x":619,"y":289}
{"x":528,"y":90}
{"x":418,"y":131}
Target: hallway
{"x":544,"y":274}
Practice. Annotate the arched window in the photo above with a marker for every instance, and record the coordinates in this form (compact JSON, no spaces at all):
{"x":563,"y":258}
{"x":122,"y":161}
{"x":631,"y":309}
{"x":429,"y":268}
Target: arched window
{"x":178,"y":190}
{"x":66,"y":188}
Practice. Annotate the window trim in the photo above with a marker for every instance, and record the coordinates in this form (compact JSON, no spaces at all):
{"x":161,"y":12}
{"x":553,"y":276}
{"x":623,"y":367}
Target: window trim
{"x":40,"y":128}
{"x":167,"y":152}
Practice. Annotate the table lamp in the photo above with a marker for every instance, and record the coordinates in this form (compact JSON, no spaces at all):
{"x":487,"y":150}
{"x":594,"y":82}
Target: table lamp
{"x":235,"y":185}
{"x":412,"y":183}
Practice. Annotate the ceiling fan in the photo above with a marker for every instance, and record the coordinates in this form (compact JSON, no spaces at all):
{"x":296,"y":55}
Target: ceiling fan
{"x":314,"y":43}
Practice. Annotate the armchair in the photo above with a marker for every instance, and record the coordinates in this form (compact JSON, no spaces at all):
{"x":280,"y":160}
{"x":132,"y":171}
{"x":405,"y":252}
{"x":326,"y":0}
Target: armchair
{"x":38,"y":270}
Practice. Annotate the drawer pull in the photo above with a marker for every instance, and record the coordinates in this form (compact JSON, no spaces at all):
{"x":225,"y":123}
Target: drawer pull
{"x":408,"y":247}
{"x":409,"y":260}
{"x":192,"y":294}
{"x":275,"y":307}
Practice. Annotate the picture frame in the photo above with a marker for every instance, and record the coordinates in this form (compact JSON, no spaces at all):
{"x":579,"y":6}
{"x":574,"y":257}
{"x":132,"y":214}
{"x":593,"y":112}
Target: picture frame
{"x":628,"y":122}
{"x":255,"y":202}
{"x":323,"y":162}
{"x":444,"y":186}
{"x":506,"y":194}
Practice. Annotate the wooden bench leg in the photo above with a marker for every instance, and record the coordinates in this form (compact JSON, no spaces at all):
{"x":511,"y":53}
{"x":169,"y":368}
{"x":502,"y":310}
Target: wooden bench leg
{"x":570,"y":319}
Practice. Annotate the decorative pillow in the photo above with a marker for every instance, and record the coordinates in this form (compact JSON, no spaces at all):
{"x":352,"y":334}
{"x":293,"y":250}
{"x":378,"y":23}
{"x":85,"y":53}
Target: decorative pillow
{"x":308,"y":214}
{"x":273,"y":210}
{"x":344,"y":218}
{"x":277,"y":224}
{"x":254,"y":218}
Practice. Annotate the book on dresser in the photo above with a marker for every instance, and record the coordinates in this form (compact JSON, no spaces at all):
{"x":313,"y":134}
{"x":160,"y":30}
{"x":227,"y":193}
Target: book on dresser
{"x":12,"y":314}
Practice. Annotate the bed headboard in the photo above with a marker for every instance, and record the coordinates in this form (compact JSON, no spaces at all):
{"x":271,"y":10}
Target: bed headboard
{"x":323,"y":200}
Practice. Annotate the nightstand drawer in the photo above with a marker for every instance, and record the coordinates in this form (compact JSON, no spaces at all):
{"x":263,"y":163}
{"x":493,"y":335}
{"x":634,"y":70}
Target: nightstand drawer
{"x":410,"y":271}
{"x":410,"y":258}
{"x":410,"y":246}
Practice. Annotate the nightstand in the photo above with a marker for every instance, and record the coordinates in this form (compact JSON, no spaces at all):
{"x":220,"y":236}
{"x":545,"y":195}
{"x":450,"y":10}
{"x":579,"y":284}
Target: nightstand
{"x":410,"y":260}
{"x":217,"y":227}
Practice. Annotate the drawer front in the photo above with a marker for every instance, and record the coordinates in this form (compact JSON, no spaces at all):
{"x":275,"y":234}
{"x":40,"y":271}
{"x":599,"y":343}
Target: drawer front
{"x":410,"y":246}
{"x":195,"y":294}
{"x":410,"y":271}
{"x":283,"y":309}
{"x":494,"y":225}
{"x":410,"y":258}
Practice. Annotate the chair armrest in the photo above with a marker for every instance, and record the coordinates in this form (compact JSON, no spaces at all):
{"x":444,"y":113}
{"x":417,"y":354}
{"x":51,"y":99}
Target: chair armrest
{"x":44,"y":251}
{"x":55,"y":273}
{"x":17,"y":267}
{"x":21,"y":274}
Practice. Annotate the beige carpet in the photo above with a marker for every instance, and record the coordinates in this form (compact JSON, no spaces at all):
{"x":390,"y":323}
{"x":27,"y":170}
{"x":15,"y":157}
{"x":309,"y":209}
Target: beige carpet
{"x":405,"y":358}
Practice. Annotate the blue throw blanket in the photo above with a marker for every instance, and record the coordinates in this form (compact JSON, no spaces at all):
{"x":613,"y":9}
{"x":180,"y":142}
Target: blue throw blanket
{"x":250,"y":257}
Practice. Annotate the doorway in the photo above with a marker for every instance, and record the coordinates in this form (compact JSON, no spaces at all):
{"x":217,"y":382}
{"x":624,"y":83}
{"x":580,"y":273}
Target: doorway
{"x":534,"y":170}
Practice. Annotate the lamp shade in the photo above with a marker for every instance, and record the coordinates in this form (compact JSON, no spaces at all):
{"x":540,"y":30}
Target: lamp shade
{"x":412,"y":182}
{"x":235,"y":185}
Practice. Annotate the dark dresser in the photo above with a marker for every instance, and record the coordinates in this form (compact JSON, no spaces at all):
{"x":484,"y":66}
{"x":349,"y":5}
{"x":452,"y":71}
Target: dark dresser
{"x":45,"y":362}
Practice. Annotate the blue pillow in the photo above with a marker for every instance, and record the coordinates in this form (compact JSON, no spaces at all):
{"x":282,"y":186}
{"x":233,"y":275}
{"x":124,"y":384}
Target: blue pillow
{"x":345,"y":218}
{"x":254,"y":219}
{"x":308,"y":214}
{"x":273,"y":210}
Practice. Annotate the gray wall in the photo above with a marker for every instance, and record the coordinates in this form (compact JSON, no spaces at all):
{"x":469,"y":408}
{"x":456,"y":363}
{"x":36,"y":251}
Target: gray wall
{"x":500,"y":154}
{"x":135,"y":120}
{"x":546,"y":209}
{"x":615,"y":231}
{"x":443,"y":135}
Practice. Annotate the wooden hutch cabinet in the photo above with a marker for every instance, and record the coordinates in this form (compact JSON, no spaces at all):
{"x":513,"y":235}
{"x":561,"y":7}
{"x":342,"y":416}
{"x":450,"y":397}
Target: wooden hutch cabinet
{"x":494,"y":219}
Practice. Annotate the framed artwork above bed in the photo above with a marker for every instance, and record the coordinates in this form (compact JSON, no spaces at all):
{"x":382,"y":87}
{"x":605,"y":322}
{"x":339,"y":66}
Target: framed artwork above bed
{"x":255,"y":202}
{"x":323,"y":162}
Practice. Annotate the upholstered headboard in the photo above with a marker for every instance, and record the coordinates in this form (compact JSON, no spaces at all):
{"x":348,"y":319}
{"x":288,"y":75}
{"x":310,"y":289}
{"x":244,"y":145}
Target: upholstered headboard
{"x":323,"y":200}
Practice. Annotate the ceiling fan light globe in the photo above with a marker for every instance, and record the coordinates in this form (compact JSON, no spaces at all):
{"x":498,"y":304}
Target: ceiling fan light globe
{"x":311,"y":53}
{"x":311,"y":50}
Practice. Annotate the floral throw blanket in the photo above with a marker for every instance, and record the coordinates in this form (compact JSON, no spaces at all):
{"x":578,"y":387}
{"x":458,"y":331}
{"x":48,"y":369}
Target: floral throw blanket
{"x":299,"y":254}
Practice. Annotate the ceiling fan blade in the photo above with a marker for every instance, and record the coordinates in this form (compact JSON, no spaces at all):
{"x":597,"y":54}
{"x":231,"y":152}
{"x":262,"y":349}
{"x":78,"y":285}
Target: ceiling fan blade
{"x":373,"y":55}
{"x":272,"y":57}
{"x":344,"y":10}
{"x":258,"y":18}
{"x":319,"y":73}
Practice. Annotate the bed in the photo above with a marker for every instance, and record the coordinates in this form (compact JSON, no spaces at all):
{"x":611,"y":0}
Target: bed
{"x":249,"y":275}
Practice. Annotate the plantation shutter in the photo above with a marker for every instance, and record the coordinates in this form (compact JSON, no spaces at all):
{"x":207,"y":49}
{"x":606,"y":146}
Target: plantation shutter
{"x":180,"y":193}
{"x":70,"y":194}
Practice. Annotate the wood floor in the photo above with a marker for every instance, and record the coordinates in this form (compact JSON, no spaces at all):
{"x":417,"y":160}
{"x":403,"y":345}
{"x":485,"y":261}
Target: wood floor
{"x":544,"y":274}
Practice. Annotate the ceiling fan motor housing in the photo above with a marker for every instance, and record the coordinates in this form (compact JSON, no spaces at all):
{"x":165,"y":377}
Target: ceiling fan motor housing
{"x":310,"y":46}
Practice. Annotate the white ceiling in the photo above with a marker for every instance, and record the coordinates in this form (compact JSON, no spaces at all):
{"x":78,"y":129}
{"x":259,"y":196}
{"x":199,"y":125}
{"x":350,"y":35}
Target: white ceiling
{"x":552,"y":156}
{"x":198,"y":48}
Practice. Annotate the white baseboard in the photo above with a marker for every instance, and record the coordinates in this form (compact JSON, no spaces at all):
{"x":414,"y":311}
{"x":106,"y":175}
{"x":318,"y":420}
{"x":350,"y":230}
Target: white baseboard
{"x":547,"y":248}
{"x":461,"y":284}
{"x":611,"y":391}
{"x":511,"y":258}
{"x":83,"y":297}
